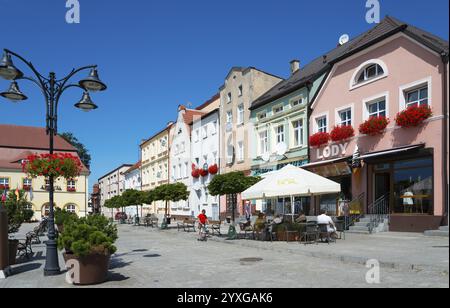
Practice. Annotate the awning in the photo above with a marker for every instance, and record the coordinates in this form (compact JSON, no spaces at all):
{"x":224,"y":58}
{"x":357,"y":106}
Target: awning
{"x":401,"y":150}
{"x":326,"y":162}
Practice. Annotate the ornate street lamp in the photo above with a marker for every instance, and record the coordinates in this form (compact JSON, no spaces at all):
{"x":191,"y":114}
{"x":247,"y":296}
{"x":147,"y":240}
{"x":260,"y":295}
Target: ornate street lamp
{"x":52,"y":90}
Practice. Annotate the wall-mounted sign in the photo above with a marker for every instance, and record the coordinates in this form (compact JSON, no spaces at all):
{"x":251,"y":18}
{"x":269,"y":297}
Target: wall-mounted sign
{"x":332,"y":151}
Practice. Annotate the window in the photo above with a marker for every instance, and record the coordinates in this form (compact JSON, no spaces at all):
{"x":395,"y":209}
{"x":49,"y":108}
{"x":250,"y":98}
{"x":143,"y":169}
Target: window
{"x":196,"y":135}
{"x":229,"y":97}
{"x":418,"y":97}
{"x":205,"y":131}
{"x":71,"y":208}
{"x":229,"y":117}
{"x":261,"y":116}
{"x":298,"y":132}
{"x":186,"y":168}
{"x":177,"y":149}
{"x":322,"y":124}
{"x":4,"y":183}
{"x":345,"y":117}
{"x":263,"y":142}
{"x":277,"y":109}
{"x":370,"y":72}
{"x":240,"y":90}
{"x":174,"y":171}
{"x":71,"y":185}
{"x":279,"y":132}
{"x":296,"y":102}
{"x":214,"y":128}
{"x":183,"y":146}
{"x":240,"y":119}
{"x":230,"y":154}
{"x":179,"y":172}
{"x":377,"y":108}
{"x":240,"y":155}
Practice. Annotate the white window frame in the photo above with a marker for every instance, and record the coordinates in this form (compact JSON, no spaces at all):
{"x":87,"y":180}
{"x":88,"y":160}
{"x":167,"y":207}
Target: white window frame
{"x":262,"y":151}
{"x":240,"y":114}
{"x":229,"y":117}
{"x":259,"y":114}
{"x":70,"y":210}
{"x":5,"y":181}
{"x":338,"y":120}
{"x":294,"y":132}
{"x":240,"y":151}
{"x":299,"y":98}
{"x":277,"y":133}
{"x":205,"y":131}
{"x":414,"y":85}
{"x":277,"y":107}
{"x":214,"y":128}
{"x":374,"y":99}
{"x":354,"y":83}
{"x":319,"y":116}
{"x":71,"y":184}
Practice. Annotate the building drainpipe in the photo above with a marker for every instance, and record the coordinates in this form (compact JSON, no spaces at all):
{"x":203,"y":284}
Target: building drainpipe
{"x":445,"y":59}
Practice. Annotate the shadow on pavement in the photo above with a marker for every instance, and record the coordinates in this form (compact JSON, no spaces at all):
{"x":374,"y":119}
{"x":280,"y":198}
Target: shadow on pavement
{"x":26,"y":268}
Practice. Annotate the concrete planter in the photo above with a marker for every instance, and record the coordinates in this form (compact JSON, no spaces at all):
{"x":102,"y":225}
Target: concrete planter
{"x":93,"y":268}
{"x":13,"y":246}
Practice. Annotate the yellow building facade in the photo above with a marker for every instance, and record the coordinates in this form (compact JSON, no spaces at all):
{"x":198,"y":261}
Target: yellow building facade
{"x":155,"y":166}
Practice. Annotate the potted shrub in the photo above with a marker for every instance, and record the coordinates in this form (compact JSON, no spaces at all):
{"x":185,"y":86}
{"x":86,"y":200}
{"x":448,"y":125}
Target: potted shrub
{"x":15,"y":205}
{"x":374,"y":126}
{"x":90,"y":241}
{"x":413,"y":116}
{"x":341,"y":133}
{"x":319,"y":139}
{"x":62,"y":217}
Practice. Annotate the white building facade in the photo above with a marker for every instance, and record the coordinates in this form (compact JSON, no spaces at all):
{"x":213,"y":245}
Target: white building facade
{"x":205,"y":153}
{"x":133,"y":177}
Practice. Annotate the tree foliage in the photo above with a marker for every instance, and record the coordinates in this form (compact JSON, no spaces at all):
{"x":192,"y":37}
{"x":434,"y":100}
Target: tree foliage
{"x":170,"y":192}
{"x":83,"y":152}
{"x":116,"y":202}
{"x":17,"y":210}
{"x":231,"y":183}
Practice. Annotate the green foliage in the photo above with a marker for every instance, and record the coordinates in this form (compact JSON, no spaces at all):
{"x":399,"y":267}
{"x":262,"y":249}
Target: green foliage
{"x":133,"y":197}
{"x":88,"y":235}
{"x":290,"y":227}
{"x":171,"y":192}
{"x":116,"y":202}
{"x":62,"y":217}
{"x":81,"y":149}
{"x":16,"y":210}
{"x":28,"y":215}
{"x":231,"y":183}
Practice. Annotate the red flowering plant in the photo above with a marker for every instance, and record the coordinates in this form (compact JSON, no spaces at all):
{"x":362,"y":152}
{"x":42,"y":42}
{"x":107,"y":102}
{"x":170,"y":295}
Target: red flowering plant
{"x":413,"y":116}
{"x":340,"y":133}
{"x":57,"y":165}
{"x":319,"y":139}
{"x":213,"y":169}
{"x":374,"y":126}
{"x":195,"y":172}
{"x":204,"y":172}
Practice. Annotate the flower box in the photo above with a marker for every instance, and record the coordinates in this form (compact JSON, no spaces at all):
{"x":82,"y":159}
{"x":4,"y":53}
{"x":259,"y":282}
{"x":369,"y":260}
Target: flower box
{"x":213,"y":169}
{"x":340,"y":133}
{"x":3,"y":187}
{"x":56,"y":165}
{"x":374,"y":126}
{"x":319,"y":139}
{"x":71,"y":189}
{"x":27,"y":187}
{"x":413,"y":116}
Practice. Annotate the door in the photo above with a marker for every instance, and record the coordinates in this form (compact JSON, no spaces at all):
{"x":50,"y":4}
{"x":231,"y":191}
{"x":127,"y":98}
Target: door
{"x":215,"y":212}
{"x":382,"y":186}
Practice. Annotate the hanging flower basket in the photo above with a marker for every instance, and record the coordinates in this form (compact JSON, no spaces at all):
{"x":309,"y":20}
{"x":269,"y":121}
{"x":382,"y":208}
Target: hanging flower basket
{"x":413,"y":116}
{"x":319,"y":139}
{"x":57,"y":165}
{"x":340,"y":133}
{"x":213,"y":169}
{"x":196,"y":173}
{"x":203,"y":172}
{"x":374,"y":126}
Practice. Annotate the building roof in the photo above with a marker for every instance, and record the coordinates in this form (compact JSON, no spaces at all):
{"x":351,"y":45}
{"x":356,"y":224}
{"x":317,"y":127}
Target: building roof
{"x":167,"y":128}
{"x":191,"y":114}
{"x":386,"y":28}
{"x":209,"y":102}
{"x":117,"y":169}
{"x":244,"y":70}
{"x":19,"y":142}
{"x":136,"y":166}
{"x":28,"y":137}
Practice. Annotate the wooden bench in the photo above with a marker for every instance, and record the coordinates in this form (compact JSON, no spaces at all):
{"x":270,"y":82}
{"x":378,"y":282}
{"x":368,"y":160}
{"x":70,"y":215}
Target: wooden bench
{"x":215,"y":227}
{"x":187,"y":225}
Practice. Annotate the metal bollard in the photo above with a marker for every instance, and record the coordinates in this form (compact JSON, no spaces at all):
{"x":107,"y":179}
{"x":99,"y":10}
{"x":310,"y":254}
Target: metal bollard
{"x":4,"y":246}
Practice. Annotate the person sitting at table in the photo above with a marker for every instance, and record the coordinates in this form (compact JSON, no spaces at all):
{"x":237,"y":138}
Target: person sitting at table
{"x":302,"y":218}
{"x":260,"y":222}
{"x":324,"y":219}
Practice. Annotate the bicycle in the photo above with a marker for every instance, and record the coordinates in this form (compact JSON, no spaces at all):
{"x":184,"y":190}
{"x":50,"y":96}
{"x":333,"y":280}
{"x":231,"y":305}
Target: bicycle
{"x":203,"y":233}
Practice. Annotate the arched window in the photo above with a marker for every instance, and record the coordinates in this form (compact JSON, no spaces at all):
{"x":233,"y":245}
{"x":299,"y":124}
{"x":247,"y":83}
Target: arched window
{"x":71,"y":208}
{"x":369,"y":71}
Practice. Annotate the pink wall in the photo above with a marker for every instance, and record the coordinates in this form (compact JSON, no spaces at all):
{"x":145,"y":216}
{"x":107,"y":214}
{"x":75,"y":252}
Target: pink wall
{"x":407,"y":63}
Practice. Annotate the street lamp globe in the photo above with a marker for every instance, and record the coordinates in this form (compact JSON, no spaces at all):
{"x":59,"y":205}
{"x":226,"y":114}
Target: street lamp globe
{"x":93,"y":82}
{"x":86,"y":104}
{"x":7,"y":69}
{"x":13,"y":93}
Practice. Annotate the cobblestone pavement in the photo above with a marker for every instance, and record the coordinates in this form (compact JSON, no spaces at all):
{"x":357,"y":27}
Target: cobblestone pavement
{"x":153,"y":258}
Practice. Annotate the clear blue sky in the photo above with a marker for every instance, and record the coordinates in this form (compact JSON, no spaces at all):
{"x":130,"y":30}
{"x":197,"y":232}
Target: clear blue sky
{"x":155,"y":55}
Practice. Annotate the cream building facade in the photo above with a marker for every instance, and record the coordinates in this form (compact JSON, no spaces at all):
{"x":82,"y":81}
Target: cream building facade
{"x":155,"y":166}
{"x":18,"y":142}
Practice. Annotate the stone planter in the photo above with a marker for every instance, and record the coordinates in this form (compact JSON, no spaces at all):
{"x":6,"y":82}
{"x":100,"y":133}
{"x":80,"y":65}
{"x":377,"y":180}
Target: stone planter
{"x":93,"y":268}
{"x":13,"y":246}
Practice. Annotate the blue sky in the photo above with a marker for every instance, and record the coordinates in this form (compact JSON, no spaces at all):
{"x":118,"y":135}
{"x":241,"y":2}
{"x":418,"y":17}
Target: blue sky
{"x":155,"y":55}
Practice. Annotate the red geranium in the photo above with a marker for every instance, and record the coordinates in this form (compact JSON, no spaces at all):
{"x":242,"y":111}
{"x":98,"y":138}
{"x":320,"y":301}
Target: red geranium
{"x":319,"y":139}
{"x":203,"y":172}
{"x":213,"y":169}
{"x":343,"y":132}
{"x":57,"y":165}
{"x":195,"y":173}
{"x":374,"y":126}
{"x":413,"y":116}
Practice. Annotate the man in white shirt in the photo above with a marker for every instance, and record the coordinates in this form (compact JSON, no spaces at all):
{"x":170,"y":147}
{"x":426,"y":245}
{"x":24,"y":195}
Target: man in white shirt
{"x":324,"y":219}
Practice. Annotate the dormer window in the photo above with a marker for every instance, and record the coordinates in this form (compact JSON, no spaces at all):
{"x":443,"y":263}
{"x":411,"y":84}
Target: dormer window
{"x":278,"y":109}
{"x":368,"y":72}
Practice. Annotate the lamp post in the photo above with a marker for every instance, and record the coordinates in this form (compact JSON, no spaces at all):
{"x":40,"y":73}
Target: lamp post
{"x":52,"y":89}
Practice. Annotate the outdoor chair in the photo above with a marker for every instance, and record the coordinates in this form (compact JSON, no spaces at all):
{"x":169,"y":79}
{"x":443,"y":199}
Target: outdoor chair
{"x":246,"y":228}
{"x":310,"y":235}
{"x":340,"y":229}
{"x":215,"y":227}
{"x":289,"y":233}
{"x":323,"y":233}
{"x":24,"y":248}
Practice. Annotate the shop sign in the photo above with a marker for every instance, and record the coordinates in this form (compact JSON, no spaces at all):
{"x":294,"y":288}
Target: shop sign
{"x":334,"y":150}
{"x":263,"y":170}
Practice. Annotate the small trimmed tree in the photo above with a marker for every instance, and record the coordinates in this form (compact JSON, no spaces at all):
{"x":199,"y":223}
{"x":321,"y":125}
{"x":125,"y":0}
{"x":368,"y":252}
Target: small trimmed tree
{"x":116,"y":202}
{"x":170,"y":192}
{"x":132,"y":197}
{"x":232,"y":183}
{"x":16,"y":207}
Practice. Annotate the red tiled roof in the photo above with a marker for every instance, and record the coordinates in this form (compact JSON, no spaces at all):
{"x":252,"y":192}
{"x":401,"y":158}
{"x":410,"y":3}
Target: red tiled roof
{"x":135,"y":167}
{"x":190,"y":114}
{"x":30,"y":138}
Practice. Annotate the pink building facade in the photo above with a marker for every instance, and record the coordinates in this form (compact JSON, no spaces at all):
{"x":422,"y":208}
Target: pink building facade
{"x":403,"y":167}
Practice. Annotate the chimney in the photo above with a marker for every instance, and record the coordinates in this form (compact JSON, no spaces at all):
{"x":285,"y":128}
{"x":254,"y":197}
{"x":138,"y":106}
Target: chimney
{"x":295,"y":66}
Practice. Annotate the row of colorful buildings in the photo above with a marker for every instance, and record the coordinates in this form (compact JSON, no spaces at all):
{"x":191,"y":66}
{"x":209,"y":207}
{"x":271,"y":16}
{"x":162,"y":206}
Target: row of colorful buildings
{"x":258,"y":123}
